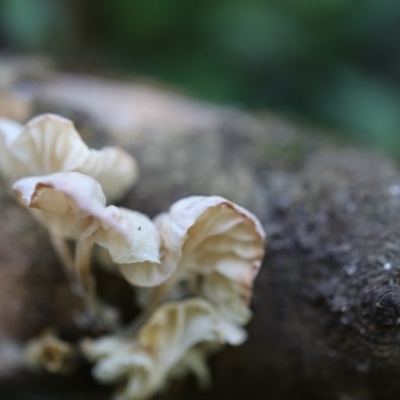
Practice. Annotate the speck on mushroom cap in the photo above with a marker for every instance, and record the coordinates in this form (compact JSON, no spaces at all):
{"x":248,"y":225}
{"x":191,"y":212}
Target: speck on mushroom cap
{"x":220,"y":241}
{"x":162,"y":343}
{"x":49,"y":143}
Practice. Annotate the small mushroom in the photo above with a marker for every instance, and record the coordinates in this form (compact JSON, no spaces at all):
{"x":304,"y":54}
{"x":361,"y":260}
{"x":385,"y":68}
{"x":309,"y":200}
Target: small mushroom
{"x":216,"y":248}
{"x":50,"y":353}
{"x":49,"y":143}
{"x":161,"y":348}
{"x":71,"y":205}
{"x":66,"y":204}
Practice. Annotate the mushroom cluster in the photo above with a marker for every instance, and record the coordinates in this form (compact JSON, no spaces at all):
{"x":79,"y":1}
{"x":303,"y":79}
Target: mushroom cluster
{"x":192,"y":267}
{"x":72,"y":206}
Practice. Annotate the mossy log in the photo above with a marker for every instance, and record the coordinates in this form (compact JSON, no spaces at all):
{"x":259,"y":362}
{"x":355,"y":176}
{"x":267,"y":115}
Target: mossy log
{"x":327,"y":300}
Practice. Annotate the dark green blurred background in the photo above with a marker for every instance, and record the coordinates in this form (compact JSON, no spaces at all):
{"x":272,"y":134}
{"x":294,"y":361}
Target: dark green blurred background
{"x":332,"y":62}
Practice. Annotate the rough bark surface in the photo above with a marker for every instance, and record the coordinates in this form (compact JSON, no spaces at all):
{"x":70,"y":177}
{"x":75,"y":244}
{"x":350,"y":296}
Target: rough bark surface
{"x":327,"y":300}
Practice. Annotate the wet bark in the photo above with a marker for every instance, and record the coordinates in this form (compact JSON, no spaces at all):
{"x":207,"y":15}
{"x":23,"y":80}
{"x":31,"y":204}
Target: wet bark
{"x":327,"y":300}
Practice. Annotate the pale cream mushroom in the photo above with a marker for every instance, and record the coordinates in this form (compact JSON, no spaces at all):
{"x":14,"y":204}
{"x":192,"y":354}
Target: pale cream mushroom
{"x":51,"y":353}
{"x":49,"y":143}
{"x":72,"y":206}
{"x":195,"y":361}
{"x":68,"y":204}
{"x":166,"y":346}
{"x":9,"y":132}
{"x":217,"y":248}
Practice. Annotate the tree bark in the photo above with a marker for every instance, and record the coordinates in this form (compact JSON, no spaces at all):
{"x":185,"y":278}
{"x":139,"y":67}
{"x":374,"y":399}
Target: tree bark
{"x":327,"y":299}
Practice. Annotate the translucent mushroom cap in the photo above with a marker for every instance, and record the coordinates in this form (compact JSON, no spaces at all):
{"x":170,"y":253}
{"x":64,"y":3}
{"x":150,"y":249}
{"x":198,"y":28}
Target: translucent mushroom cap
{"x":69,"y":204}
{"x":9,"y":132}
{"x":49,"y":143}
{"x":147,"y":360}
{"x":219,"y":242}
{"x":137,"y":252}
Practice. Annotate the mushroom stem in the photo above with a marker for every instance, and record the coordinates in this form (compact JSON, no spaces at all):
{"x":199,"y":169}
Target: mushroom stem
{"x":64,"y":254}
{"x":82,"y":269}
{"x":157,"y":296}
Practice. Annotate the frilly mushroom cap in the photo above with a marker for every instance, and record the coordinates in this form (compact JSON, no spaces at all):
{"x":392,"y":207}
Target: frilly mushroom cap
{"x":146,"y":361}
{"x":137,"y":251}
{"x":109,"y":166}
{"x":9,"y":132}
{"x":220,"y":241}
{"x":49,"y":144}
{"x":69,"y":204}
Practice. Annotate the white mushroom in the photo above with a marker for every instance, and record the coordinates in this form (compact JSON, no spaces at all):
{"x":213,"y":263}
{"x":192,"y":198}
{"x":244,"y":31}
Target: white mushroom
{"x":69,"y":204}
{"x":217,"y":248}
{"x":72,"y":206}
{"x":166,"y":345}
{"x":49,"y":143}
{"x":195,"y":361}
{"x":9,"y":132}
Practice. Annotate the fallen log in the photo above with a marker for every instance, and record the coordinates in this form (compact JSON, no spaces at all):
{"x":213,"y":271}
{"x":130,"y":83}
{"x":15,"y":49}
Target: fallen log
{"x":327,"y":300}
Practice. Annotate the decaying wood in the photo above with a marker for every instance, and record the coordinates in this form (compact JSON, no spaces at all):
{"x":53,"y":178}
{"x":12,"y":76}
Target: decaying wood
{"x":327,"y":300}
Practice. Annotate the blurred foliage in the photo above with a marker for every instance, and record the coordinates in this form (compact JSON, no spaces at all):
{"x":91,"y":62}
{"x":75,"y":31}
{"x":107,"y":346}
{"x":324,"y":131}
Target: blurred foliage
{"x":332,"y":61}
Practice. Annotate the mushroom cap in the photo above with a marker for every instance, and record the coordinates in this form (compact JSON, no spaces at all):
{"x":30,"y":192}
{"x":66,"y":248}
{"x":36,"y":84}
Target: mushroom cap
{"x":9,"y":132}
{"x":147,"y":360}
{"x":220,"y":241}
{"x":137,"y":251}
{"x":50,"y":352}
{"x":49,"y":143}
{"x":113,"y":168}
{"x":69,"y":204}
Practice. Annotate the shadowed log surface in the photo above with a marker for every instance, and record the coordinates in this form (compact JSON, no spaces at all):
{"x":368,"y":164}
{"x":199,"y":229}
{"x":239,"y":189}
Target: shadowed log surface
{"x":327,"y":300}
